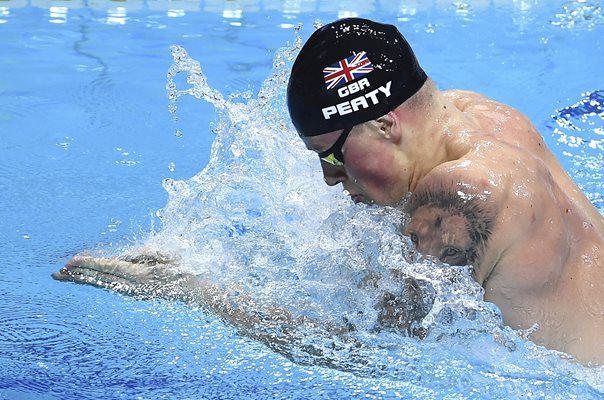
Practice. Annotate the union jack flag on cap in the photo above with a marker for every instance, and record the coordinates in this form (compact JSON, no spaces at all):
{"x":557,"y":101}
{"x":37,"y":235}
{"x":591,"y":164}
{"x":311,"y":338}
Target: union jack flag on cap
{"x":347,"y":70}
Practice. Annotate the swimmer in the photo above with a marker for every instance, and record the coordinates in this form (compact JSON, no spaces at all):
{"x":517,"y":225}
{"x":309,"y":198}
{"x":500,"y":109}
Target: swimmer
{"x":486,"y":190}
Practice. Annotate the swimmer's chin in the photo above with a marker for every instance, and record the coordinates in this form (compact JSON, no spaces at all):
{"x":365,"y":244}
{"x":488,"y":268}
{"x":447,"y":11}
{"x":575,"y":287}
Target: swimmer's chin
{"x":359,"y":198}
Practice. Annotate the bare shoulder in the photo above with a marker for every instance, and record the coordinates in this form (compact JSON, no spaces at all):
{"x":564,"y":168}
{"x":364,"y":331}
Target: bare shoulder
{"x":495,"y":177}
{"x":493,"y":116}
{"x":473,"y":172}
{"x":496,"y":171}
{"x":470,"y":184}
{"x":464,"y":186}
{"x":471,"y":211}
{"x":452,"y":214}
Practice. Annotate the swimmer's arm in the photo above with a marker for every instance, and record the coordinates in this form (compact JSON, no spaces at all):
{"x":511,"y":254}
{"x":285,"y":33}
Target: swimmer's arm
{"x":235,"y":306}
{"x":284,"y":332}
{"x":279,"y":328}
{"x":155,"y":277}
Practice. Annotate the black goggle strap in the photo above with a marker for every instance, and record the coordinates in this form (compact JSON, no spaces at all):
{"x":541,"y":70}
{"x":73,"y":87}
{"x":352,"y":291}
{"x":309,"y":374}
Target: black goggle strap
{"x":334,"y":155}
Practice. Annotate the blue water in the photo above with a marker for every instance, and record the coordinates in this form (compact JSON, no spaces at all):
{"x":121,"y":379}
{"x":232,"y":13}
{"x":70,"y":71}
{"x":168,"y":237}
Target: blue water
{"x":91,"y":158}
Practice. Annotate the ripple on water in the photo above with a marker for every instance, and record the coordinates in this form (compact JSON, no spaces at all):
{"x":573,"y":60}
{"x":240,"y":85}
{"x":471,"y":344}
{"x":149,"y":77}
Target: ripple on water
{"x":45,"y":339}
{"x":31,"y":333}
{"x":96,"y":98}
{"x":19,"y":104}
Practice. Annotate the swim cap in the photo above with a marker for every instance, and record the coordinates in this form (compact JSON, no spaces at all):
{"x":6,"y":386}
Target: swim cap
{"x":350,"y":71}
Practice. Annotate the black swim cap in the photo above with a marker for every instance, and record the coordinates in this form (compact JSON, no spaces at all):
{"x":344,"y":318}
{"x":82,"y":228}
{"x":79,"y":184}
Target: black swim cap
{"x":350,"y":71}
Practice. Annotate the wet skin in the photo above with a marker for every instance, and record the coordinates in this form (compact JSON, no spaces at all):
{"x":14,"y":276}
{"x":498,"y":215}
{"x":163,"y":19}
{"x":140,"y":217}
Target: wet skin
{"x":535,"y":253}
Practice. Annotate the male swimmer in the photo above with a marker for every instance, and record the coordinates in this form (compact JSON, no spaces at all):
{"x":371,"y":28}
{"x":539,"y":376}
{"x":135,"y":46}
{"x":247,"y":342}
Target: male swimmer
{"x":486,"y":191}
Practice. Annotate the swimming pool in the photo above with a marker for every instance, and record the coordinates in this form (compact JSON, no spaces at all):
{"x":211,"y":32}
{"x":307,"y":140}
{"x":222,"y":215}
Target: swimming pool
{"x":93,"y":159}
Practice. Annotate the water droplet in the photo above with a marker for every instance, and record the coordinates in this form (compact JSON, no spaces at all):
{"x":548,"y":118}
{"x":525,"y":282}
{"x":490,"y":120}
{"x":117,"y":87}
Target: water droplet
{"x":236,"y":150}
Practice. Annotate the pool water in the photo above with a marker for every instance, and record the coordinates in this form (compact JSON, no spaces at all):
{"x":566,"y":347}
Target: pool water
{"x":92,"y":158}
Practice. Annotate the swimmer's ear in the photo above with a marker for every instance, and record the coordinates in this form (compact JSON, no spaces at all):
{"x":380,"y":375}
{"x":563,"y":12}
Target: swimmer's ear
{"x":388,"y":125}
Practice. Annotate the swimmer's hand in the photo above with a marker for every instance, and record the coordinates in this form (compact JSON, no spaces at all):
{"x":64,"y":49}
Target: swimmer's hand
{"x":147,"y":275}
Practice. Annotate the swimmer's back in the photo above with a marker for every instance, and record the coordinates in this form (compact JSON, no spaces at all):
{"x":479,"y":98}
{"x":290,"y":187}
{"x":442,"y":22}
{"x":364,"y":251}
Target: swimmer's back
{"x":500,"y":122}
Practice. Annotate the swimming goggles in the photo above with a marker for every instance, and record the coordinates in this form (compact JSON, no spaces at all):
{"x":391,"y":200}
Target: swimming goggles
{"x":334,"y":155}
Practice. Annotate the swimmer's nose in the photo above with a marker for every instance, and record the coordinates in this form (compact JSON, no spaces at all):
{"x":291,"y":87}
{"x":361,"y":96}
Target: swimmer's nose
{"x":333,"y":175}
{"x":332,"y":181}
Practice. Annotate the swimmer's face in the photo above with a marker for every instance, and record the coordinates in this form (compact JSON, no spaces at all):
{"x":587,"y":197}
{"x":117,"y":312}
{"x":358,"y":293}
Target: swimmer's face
{"x":441,"y":233}
{"x":371,"y":172}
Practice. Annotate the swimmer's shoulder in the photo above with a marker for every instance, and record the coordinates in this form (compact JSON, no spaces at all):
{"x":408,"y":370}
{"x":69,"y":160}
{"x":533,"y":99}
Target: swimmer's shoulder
{"x":467,"y":171}
{"x":488,"y":167}
{"x":502,"y":122}
{"x":486,"y":185}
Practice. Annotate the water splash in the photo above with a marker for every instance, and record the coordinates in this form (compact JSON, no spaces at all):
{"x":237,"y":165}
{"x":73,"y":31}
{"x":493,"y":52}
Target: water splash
{"x":259,"y":217}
